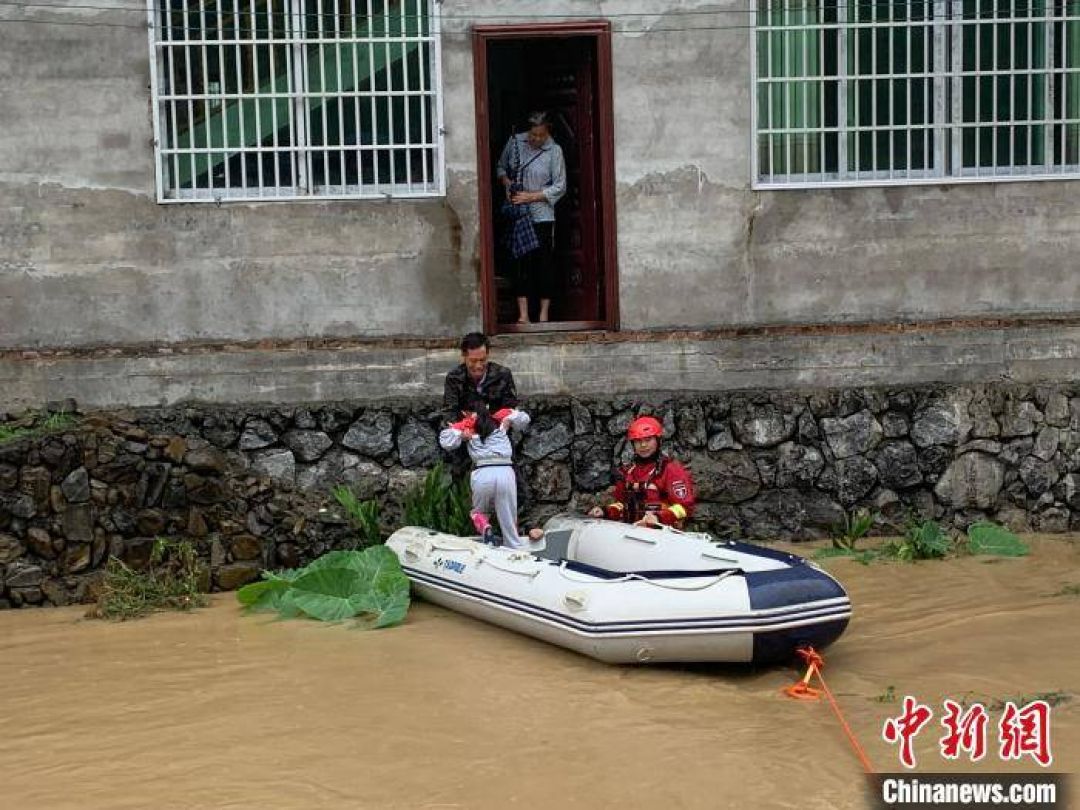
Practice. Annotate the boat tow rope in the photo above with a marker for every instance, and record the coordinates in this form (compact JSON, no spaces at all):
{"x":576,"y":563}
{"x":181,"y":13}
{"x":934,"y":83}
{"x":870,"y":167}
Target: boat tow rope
{"x":802,"y":690}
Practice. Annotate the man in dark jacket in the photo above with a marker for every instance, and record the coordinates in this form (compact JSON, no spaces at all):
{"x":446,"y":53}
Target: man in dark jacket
{"x":477,"y":376}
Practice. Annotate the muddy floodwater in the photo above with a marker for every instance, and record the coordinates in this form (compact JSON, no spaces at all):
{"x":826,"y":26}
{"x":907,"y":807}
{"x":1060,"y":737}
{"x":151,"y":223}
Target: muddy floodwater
{"x":216,"y":709}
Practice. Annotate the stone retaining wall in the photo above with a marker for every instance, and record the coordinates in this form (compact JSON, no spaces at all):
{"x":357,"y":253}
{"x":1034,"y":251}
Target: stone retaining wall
{"x":250,"y":485}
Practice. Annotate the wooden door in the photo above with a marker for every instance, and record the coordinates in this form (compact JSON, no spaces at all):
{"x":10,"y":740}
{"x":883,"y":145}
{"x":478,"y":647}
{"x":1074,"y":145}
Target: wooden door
{"x":567,"y":90}
{"x":564,"y":68}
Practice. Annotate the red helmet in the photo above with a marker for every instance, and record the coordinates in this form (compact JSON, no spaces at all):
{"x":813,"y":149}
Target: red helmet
{"x":644,"y":427}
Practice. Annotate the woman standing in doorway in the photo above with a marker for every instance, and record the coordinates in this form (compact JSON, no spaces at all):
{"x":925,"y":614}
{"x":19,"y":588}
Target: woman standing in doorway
{"x":533,"y":173}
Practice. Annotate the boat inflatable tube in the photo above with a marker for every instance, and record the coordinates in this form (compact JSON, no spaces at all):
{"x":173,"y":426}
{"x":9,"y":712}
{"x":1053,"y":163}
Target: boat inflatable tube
{"x":628,"y":594}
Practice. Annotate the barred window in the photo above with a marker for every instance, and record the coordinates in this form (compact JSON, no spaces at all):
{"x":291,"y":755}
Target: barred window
{"x":851,"y":92}
{"x":295,"y":99}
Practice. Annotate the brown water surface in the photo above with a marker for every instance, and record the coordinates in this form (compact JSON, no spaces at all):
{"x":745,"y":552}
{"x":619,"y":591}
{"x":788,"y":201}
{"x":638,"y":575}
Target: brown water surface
{"x":216,"y":709}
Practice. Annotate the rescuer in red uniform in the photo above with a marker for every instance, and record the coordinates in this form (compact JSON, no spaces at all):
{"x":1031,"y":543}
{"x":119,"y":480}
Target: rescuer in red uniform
{"x":654,"y":489}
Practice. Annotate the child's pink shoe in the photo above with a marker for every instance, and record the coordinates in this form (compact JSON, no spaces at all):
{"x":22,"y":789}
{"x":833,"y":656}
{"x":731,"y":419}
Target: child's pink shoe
{"x":484,"y":527}
{"x":480,"y":521}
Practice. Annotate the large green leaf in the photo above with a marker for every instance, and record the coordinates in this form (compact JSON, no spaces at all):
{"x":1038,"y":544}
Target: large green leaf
{"x":286,"y":605}
{"x":333,"y":559}
{"x":283,"y":575}
{"x":989,"y":538}
{"x":330,"y":594}
{"x":388,"y":599}
{"x":377,"y":560}
{"x":263,"y":595}
{"x":337,"y":586}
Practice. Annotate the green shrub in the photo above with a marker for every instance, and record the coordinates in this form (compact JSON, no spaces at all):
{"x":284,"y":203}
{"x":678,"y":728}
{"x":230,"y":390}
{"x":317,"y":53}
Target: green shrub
{"x":923,"y":540}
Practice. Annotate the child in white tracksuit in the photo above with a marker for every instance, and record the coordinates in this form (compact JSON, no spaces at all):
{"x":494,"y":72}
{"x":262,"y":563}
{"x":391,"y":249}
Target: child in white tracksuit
{"x":494,"y":484}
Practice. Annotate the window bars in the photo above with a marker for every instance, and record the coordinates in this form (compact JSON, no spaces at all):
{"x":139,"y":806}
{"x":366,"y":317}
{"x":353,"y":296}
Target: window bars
{"x":851,"y":92}
{"x":296,"y":99}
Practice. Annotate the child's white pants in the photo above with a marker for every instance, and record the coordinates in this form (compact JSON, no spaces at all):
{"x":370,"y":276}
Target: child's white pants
{"x":495,"y":487}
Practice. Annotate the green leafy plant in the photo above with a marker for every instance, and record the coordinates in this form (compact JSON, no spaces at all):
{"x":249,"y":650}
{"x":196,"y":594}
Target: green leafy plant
{"x":855,"y":526}
{"x":362,"y":516}
{"x":923,"y":540}
{"x":171,"y":581}
{"x":337,"y":586}
{"x":989,"y":538}
{"x":439,"y":503}
{"x":1072,"y":589}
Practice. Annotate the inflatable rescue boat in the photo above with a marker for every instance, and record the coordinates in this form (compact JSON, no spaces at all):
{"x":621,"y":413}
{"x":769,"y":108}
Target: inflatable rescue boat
{"x":628,"y":594}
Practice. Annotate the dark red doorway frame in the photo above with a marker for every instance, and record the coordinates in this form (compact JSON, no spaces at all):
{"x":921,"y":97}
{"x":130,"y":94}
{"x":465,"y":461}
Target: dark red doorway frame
{"x":600,"y":31}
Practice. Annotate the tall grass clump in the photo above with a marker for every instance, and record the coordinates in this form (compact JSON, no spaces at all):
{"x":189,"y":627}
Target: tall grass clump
{"x":363,"y":516}
{"x":854,"y":527}
{"x":170,"y":582}
{"x":846,"y":535}
{"x":439,"y":503}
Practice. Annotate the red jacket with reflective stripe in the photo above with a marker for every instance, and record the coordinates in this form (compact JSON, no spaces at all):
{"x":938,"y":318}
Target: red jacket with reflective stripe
{"x":663,"y":487}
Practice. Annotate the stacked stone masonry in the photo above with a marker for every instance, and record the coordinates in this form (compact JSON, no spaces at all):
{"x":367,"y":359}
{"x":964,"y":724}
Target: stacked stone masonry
{"x":251,"y":485}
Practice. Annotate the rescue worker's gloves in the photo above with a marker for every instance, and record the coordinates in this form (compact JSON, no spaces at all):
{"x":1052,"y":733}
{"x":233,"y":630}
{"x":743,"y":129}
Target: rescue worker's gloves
{"x":672,"y":515}
{"x":614,"y":511}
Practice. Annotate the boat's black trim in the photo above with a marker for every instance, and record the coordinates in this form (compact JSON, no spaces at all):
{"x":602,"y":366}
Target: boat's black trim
{"x":762,"y":551}
{"x":790,"y":586}
{"x":773,"y":647}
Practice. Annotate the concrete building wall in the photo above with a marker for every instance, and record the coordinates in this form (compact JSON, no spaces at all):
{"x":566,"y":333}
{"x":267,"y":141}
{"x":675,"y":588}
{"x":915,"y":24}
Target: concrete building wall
{"x":88,"y":258}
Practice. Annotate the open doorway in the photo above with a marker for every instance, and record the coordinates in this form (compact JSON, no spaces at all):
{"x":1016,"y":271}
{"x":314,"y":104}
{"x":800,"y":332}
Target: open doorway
{"x":563,"y":69}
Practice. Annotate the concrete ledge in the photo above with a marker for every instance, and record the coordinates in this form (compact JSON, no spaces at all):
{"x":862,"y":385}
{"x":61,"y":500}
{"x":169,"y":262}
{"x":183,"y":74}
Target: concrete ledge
{"x":574,"y":364}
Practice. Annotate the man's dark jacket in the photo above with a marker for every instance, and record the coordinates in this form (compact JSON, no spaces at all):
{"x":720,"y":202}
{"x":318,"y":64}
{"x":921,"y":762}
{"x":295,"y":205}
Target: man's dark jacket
{"x":497,"y":390}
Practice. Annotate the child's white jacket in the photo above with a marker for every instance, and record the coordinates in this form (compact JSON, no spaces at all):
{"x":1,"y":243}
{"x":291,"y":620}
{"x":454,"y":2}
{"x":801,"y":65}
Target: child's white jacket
{"x":496,"y":449}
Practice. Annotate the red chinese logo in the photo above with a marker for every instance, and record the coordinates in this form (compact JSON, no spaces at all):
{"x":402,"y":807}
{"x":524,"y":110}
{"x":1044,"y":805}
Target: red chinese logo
{"x":906,"y":727}
{"x":965,"y":731}
{"x":1021,"y":731}
{"x":1026,"y":731}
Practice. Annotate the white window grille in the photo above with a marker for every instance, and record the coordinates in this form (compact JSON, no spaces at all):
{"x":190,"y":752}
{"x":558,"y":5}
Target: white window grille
{"x":852,"y":92}
{"x":296,"y":99}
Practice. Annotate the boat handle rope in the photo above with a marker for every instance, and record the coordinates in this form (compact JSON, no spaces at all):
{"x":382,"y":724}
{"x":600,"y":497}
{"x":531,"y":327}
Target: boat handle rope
{"x":489,"y":560}
{"x":435,"y":544}
{"x":631,"y":577}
